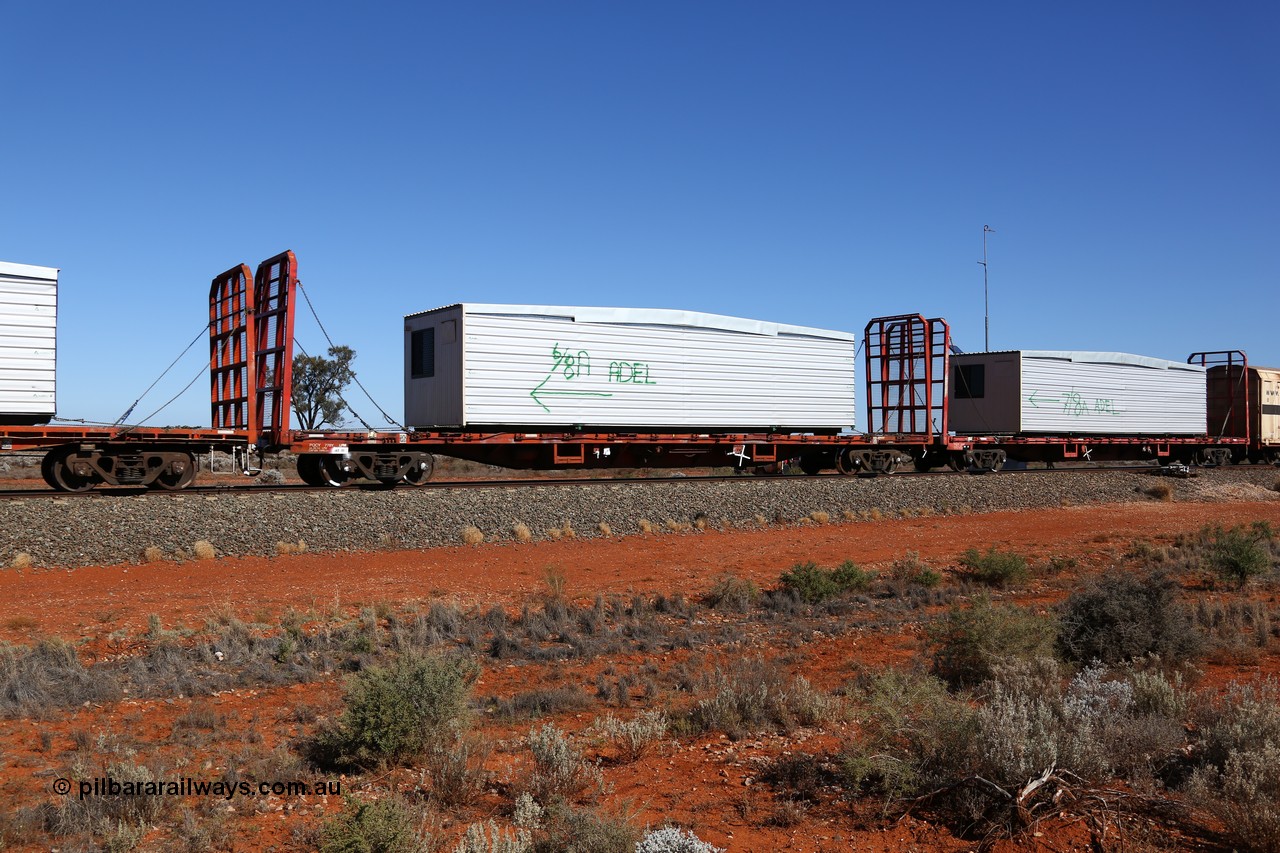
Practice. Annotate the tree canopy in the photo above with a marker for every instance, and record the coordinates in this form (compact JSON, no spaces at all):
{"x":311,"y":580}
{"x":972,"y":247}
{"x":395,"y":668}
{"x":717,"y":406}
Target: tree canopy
{"x":318,"y":383}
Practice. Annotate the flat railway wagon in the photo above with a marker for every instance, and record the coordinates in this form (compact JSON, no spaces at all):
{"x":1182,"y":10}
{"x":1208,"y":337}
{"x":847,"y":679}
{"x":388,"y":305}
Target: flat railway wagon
{"x":572,"y":387}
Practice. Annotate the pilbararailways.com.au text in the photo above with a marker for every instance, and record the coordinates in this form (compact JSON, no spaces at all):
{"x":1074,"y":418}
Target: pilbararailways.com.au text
{"x":188,"y":787}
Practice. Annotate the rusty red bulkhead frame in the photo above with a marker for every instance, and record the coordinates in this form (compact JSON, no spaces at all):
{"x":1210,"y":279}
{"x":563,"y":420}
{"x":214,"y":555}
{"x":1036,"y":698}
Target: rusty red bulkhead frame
{"x":251,"y":349}
{"x":907,"y":358}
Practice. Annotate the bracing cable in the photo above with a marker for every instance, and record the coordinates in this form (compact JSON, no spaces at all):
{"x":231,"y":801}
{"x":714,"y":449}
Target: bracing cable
{"x":204,"y":330}
{"x":165,"y":405}
{"x":354,"y":377}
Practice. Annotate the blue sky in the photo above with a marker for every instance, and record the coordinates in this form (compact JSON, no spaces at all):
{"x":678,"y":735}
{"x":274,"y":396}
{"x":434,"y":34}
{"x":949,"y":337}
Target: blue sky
{"x":817,"y":163}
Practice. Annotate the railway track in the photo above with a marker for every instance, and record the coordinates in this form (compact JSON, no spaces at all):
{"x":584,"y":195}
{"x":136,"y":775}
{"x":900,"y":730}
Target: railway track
{"x":252,"y":488}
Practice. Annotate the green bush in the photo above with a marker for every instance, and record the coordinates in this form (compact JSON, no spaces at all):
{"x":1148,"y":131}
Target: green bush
{"x":1000,"y":569}
{"x":382,"y":826}
{"x":910,"y":570}
{"x":850,"y":577}
{"x":397,"y":712}
{"x":812,"y":584}
{"x":1240,"y":554}
{"x":914,"y":734}
{"x":1124,"y":617}
{"x":968,"y":643}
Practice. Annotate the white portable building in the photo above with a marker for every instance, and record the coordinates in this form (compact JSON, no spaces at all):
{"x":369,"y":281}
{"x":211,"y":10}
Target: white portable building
{"x":28,"y":342}
{"x":640,"y":368}
{"x":1075,"y":393}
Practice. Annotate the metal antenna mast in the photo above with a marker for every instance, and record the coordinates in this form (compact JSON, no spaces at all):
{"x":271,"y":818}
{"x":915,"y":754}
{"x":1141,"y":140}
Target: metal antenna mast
{"x":986,"y":302}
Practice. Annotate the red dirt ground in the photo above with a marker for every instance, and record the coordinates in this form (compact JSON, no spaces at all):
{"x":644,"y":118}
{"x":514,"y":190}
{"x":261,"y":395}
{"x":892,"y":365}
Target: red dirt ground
{"x":702,"y":783}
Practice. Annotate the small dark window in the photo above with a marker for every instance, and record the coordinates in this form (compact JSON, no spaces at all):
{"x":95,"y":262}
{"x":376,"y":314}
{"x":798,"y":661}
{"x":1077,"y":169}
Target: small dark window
{"x":422,"y":349}
{"x":970,"y":381}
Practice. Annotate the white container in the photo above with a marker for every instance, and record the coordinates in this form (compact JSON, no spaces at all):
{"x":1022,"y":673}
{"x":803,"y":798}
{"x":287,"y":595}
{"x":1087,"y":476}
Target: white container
{"x":1075,"y":393}
{"x":555,"y":366}
{"x":28,"y":342}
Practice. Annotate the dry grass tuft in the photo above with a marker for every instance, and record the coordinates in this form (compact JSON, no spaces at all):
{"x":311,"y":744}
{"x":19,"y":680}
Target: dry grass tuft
{"x":152,"y":554}
{"x":761,"y":520}
{"x":678,"y":526}
{"x":203,"y":549}
{"x":1161,"y":492}
{"x":646,"y":526}
{"x":849,"y":515}
{"x":554,"y":534}
{"x":875,"y":514}
{"x":298,"y":547}
{"x":566,"y":530}
{"x":700,"y":522}
{"x":21,"y":623}
{"x":820,"y":517}
{"x":522,"y":532}
{"x":21,"y":560}
{"x":472,"y":535}
{"x":604,"y":528}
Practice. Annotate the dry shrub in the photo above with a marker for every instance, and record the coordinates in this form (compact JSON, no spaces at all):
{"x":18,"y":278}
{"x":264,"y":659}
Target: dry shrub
{"x":521,"y":531}
{"x":567,"y":531}
{"x":875,"y":514}
{"x":472,"y":535}
{"x":604,"y":528}
{"x":700,"y":521}
{"x":761,"y":520}
{"x":1161,"y":492}
{"x":456,"y":770}
{"x":969,"y":644}
{"x":21,"y":560}
{"x":204,"y":550}
{"x":849,"y":515}
{"x":152,"y":554}
{"x":1122,"y":617}
{"x":283,"y":548}
{"x":632,"y":738}
{"x":554,"y":533}
{"x":820,"y":517}
{"x":733,"y":593}
{"x":756,"y":695}
{"x":646,"y":526}
{"x":559,"y":771}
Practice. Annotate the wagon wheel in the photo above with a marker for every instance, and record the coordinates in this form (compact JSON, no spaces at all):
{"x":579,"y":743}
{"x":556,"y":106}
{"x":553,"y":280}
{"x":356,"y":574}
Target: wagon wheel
{"x":420,"y":471}
{"x":331,"y":474}
{"x":60,"y":475}
{"x":309,"y":469}
{"x":846,"y":462}
{"x":46,"y":469}
{"x":170,"y":481}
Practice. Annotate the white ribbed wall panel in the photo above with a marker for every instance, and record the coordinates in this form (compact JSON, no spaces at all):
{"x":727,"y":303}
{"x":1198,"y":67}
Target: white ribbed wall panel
{"x":640,"y":374}
{"x":1082,"y":393}
{"x":28,"y":340}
